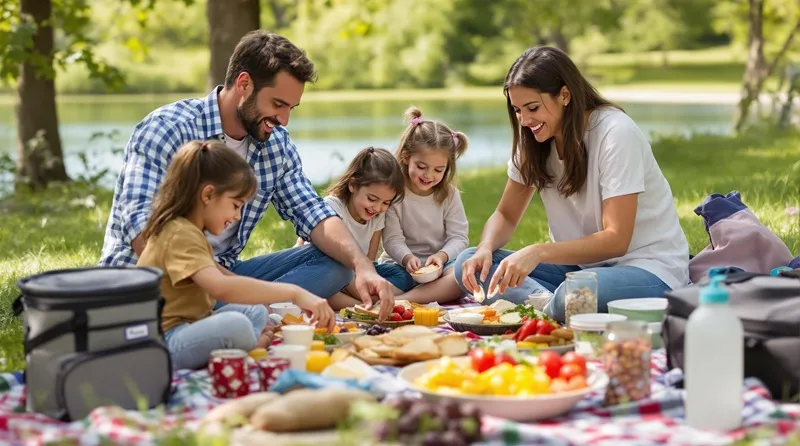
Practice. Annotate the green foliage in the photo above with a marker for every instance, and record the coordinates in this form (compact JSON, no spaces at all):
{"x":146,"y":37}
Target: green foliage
{"x":780,"y":17}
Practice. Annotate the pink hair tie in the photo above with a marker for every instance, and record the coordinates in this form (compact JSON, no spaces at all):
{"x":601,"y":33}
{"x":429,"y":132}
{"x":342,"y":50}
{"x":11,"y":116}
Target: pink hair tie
{"x":455,"y":136}
{"x":417,"y":121}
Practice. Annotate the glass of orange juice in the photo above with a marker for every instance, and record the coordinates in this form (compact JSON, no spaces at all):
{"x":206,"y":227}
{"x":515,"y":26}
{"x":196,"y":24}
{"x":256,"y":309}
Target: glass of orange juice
{"x":316,"y":361}
{"x":426,"y":316}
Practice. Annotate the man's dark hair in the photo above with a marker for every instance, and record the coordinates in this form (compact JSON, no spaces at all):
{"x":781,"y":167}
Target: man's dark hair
{"x":263,"y":55}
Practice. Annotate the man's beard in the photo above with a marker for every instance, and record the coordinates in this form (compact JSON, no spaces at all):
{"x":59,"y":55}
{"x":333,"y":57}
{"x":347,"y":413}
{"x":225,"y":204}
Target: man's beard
{"x":248,"y":116}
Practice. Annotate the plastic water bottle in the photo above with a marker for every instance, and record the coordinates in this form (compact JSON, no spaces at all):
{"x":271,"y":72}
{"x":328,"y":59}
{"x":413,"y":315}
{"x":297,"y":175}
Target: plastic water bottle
{"x":714,"y":363}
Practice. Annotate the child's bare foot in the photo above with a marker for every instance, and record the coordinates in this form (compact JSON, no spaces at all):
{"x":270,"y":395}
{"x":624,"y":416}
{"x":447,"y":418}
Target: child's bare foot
{"x":267,"y":335}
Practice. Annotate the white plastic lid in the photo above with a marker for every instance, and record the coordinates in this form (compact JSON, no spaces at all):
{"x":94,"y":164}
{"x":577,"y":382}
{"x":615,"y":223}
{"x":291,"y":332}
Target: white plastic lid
{"x":643,"y":304}
{"x":594,"y":321}
{"x":655,"y":327}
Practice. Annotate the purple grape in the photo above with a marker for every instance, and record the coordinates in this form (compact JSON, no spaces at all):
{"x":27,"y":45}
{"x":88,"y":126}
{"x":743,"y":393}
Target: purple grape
{"x":408,"y":424}
{"x":469,"y":410}
{"x":450,"y":409}
{"x":402,"y":405}
{"x":383,"y":431}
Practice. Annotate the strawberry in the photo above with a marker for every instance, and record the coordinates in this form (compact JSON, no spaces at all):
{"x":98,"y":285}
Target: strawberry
{"x":396,"y":317}
{"x":399,"y":309}
{"x":408,"y":315}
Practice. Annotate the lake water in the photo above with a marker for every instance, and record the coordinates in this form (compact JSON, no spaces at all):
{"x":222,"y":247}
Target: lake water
{"x":328,"y":134}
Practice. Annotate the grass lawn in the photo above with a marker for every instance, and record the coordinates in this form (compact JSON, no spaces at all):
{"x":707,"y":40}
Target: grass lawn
{"x":64,"y":227}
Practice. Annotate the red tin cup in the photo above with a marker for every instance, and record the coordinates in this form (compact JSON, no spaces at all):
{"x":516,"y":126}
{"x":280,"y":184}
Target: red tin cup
{"x":269,"y":369}
{"x":229,"y":373}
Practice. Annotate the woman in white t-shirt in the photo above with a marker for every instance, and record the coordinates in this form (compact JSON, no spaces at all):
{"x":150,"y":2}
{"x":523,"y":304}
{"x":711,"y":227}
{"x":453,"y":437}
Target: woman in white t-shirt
{"x":609,"y":208}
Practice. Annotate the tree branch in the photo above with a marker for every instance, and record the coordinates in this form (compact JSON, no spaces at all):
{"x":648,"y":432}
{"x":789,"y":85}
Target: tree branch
{"x":784,"y":49}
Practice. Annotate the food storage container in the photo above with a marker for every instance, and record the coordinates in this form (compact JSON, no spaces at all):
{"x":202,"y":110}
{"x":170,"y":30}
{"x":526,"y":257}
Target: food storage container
{"x":648,"y":309}
{"x":588,"y":330}
{"x":626,"y":359}
{"x":539,"y":300}
{"x":581,"y":294}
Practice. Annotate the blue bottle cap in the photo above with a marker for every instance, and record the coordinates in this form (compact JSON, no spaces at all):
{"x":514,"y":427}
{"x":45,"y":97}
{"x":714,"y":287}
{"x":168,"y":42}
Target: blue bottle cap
{"x":714,"y":293}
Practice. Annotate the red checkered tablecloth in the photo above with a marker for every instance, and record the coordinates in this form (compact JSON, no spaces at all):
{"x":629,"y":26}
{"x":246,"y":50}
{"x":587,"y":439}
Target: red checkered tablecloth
{"x":658,"y":420}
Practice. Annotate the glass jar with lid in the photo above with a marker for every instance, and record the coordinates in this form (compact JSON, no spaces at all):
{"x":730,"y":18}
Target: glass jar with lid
{"x":626,"y":358}
{"x":581,"y":294}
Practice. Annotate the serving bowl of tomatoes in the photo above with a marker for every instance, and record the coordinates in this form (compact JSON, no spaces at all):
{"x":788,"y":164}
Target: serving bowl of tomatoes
{"x":506,"y":384}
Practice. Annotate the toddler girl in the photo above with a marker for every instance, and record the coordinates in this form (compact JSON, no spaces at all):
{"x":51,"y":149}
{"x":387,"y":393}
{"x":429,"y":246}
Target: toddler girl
{"x":361,"y":196}
{"x":205,"y":187}
{"x":429,"y":227}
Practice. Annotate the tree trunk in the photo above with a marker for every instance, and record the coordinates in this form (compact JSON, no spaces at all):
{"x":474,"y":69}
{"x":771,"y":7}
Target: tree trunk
{"x":755,"y":61}
{"x":559,"y":39}
{"x":228,"y":21}
{"x":40,"y":159}
{"x":279,"y":13}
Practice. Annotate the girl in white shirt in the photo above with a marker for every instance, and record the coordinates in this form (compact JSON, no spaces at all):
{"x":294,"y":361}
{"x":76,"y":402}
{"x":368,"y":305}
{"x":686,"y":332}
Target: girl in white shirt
{"x":609,"y":208}
{"x":429,"y":227}
{"x":361,"y":196}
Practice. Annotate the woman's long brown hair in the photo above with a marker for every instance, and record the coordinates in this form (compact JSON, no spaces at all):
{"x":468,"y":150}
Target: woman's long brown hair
{"x":547,"y":70}
{"x":196,"y":165}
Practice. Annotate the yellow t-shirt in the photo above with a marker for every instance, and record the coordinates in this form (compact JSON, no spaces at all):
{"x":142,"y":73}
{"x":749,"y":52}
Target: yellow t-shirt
{"x":180,"y":250}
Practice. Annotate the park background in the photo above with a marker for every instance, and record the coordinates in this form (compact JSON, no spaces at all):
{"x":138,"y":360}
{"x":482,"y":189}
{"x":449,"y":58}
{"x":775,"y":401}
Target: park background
{"x":711,"y":82}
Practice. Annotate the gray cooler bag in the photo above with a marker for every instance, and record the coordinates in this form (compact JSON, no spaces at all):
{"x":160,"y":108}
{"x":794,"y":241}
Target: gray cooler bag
{"x":93,"y":338}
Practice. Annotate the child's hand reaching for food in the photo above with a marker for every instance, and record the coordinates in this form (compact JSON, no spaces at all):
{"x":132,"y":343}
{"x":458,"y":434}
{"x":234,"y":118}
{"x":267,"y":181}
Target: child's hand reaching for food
{"x":321,"y":312}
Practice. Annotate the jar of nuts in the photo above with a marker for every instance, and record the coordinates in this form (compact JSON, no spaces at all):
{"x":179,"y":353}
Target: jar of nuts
{"x":581,"y":294}
{"x":626,"y":358}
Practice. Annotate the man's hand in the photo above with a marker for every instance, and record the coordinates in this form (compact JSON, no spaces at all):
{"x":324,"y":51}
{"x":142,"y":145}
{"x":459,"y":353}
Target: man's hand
{"x":369,"y":284}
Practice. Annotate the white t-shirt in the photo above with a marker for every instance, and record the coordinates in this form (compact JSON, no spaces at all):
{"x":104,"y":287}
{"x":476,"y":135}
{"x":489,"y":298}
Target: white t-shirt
{"x":220,"y":243}
{"x":621,"y":162}
{"x":362,"y":232}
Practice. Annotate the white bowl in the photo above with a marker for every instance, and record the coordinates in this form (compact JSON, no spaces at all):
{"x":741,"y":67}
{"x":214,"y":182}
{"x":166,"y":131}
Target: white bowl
{"x":344,"y":338}
{"x":465,"y":317}
{"x":284,"y":308}
{"x":516,"y":408}
{"x":298,"y":334}
{"x":427,"y":277}
{"x":539,"y":300}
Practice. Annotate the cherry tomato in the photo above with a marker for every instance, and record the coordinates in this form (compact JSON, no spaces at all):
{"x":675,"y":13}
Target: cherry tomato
{"x":482,"y":359}
{"x":551,"y":362}
{"x":544,"y":328}
{"x":569,"y":371}
{"x":575,"y":358}
{"x":504,"y":357}
{"x":577,"y":382}
{"x":559,"y":385}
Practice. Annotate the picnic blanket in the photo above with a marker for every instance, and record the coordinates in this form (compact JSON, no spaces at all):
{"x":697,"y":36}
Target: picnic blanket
{"x":658,"y":420}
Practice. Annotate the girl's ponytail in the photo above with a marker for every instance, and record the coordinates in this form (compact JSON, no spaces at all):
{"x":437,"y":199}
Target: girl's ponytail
{"x":195,"y":165}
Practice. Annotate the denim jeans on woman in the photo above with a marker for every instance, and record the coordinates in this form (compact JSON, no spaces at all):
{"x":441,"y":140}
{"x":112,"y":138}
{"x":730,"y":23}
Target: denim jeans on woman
{"x":613,"y":282}
{"x":230,"y":326}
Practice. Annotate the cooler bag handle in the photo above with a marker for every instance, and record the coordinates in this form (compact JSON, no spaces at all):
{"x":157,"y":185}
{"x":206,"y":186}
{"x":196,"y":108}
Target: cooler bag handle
{"x":16,"y":307}
{"x":78,"y":324}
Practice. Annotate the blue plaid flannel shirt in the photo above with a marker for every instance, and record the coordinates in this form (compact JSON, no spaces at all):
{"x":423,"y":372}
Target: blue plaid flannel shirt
{"x":155,"y":140}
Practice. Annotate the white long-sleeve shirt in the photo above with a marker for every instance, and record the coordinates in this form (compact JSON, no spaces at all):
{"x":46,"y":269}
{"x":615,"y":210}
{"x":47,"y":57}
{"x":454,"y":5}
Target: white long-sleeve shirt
{"x":420,"y":226}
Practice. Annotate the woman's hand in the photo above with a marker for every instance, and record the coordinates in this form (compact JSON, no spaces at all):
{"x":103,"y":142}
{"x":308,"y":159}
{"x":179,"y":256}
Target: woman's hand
{"x":513,"y":270}
{"x":481,"y":261}
{"x":321,"y":312}
{"x":412,"y":263}
{"x":439,"y":259}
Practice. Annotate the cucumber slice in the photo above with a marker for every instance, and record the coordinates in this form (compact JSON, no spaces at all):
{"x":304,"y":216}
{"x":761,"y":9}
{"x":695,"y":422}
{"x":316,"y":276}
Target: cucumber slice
{"x":511,"y":318}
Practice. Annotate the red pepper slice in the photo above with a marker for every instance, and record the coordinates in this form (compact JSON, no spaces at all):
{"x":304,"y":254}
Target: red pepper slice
{"x":544,"y":328}
{"x":527,"y":329}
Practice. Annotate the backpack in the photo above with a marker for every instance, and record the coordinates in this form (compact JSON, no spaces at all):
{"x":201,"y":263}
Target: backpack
{"x":769,"y":308}
{"x":93,"y":337}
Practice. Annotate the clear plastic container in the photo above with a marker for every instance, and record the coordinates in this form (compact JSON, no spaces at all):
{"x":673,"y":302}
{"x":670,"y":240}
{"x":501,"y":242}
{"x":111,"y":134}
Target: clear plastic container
{"x":626,"y":358}
{"x":581,"y":294}
{"x":588,"y":330}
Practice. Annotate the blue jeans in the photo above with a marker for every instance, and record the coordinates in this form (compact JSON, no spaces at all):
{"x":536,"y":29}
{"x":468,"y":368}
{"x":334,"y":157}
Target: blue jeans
{"x":305,"y":266}
{"x":397,"y":275}
{"x":613,"y":282}
{"x":231,"y":326}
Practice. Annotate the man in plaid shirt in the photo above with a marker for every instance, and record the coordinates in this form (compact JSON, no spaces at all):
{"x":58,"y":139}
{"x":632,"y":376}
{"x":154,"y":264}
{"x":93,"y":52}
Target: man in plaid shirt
{"x":265,"y":81}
